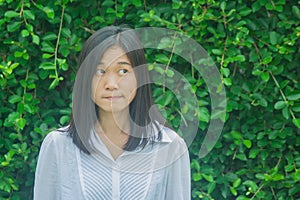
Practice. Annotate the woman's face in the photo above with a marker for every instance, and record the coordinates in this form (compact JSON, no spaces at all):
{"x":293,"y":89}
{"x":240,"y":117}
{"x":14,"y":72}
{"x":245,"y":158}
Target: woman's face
{"x":114,"y":82}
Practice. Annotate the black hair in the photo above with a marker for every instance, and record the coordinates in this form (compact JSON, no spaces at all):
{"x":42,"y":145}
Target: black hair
{"x":85,"y":111}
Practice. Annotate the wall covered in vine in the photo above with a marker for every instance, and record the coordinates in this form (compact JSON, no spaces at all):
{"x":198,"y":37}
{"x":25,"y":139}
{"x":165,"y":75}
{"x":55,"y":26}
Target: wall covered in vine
{"x":254,"y":44}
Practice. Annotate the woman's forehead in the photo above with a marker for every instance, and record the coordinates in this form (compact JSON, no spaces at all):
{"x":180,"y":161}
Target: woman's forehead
{"x":114,"y":54}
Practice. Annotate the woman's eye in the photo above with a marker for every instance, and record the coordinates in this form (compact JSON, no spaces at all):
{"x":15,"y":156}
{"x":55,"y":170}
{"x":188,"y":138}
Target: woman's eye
{"x":100,"y":72}
{"x":123,"y":71}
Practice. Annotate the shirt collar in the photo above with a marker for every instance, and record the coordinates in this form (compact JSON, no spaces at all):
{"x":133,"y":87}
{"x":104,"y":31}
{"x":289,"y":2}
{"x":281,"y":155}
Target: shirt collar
{"x":165,"y":138}
{"x":157,"y":127}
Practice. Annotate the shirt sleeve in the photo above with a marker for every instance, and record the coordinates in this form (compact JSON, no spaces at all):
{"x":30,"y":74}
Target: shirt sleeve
{"x":46,"y":175}
{"x":179,"y":181}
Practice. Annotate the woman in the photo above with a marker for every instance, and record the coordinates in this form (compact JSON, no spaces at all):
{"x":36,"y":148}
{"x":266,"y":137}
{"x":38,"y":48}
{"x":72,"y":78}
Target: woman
{"x":116,"y":146}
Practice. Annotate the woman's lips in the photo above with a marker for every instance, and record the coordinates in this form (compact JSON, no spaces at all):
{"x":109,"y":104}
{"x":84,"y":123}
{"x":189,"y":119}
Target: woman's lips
{"x":113,"y":98}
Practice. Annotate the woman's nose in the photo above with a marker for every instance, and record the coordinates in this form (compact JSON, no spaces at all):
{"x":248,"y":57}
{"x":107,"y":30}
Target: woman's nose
{"x":111,"y":82}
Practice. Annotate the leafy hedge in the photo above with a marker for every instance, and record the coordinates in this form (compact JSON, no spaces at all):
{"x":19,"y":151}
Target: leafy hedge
{"x":255,"y":45}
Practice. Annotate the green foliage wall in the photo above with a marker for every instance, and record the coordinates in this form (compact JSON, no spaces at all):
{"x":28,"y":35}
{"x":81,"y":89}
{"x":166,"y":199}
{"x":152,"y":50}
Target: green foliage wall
{"x":255,"y":45}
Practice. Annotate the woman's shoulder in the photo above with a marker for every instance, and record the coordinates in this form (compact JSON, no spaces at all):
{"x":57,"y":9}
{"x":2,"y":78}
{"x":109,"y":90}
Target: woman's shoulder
{"x":171,"y":148}
{"x":169,"y":135}
{"x":57,"y":137}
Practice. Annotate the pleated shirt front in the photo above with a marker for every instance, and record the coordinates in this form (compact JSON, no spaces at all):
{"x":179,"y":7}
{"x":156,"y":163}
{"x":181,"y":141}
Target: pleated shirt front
{"x":158,"y":171}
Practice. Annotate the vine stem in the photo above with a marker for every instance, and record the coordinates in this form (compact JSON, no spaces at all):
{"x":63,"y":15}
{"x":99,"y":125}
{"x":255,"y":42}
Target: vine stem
{"x":58,"y":38}
{"x":259,"y":189}
{"x":277,"y":84}
{"x":273,"y":193}
{"x":169,"y":61}
{"x":224,"y":51}
{"x":25,"y":90}
{"x":282,"y":94}
{"x":22,"y":9}
{"x":172,"y":52}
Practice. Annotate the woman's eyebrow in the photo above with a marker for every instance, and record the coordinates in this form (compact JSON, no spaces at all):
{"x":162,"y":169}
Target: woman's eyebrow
{"x":100,"y":63}
{"x":119,"y":63}
{"x":124,"y":63}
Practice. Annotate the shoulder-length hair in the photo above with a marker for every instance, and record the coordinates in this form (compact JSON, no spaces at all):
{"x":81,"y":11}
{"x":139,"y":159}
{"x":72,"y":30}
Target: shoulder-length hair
{"x":85,"y":111}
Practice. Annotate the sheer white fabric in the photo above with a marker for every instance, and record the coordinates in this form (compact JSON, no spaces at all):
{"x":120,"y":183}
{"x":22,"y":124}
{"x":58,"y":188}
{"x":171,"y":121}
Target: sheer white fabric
{"x":159,"y":171}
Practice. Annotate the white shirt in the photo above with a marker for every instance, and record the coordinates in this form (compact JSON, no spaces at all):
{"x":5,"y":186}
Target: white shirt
{"x":158,"y":171}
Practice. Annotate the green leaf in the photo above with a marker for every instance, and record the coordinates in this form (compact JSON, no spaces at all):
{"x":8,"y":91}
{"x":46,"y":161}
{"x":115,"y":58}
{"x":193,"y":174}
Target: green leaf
{"x":11,"y":14}
{"x":28,"y":97}
{"x":256,"y":6}
{"x":217,"y":52}
{"x":293,"y":96}
{"x":296,"y":11}
{"x":296,"y":174}
{"x":29,"y":14}
{"x":227,"y":81}
{"x":233,"y":191}
{"x":225,"y":71}
{"x":265,"y":76}
{"x":245,"y":12}
{"x":241,"y":156}
{"x":43,"y":74}
{"x":50,"y":36}
{"x":64,"y":119}
{"x":286,"y":113}
{"x":54,"y":84}
{"x":108,"y":3}
{"x":18,"y":54}
{"x":267,"y":60}
{"x":240,"y":58}
{"x":204,"y":114}
{"x":279,"y":105}
{"x":247,"y":143}
{"x":49,"y":12}
{"x":253,"y":153}
{"x":110,"y":10}
{"x":197,"y":177}
{"x":68,"y":18}
{"x":252,"y":184}
{"x":170,"y":73}
{"x":66,"y":32}
{"x":209,"y":178}
{"x":289,"y":168}
{"x":236,"y":135}
{"x":263,"y":102}
{"x":165,"y":43}
{"x":47,"y":55}
{"x":211,"y":187}
{"x":29,"y":27}
{"x":13,"y":26}
{"x":256,"y":72}
{"x":35,"y":39}
{"x":159,"y":69}
{"x":21,"y":123}
{"x":47,"y":47}
{"x":296,"y":122}
{"x":223,"y":5}
{"x":237,"y":183}
{"x":47,"y":66}
{"x":14,"y":99}
{"x":169,"y":97}
{"x":277,"y":177}
{"x":296,"y":108}
{"x":25,"y":33}
{"x":162,"y":58}
{"x":137,"y":3}
{"x":294,"y":190}
{"x":273,"y":37}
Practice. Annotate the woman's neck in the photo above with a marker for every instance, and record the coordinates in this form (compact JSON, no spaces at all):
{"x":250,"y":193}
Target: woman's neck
{"x":114,"y":123}
{"x":114,"y":131}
